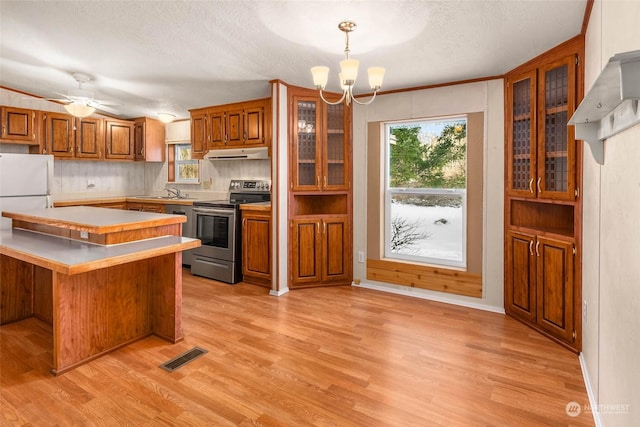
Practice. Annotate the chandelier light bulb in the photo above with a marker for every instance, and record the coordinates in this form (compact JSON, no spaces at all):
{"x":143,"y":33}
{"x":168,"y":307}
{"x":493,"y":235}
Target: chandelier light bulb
{"x":320,"y":76}
{"x":376,"y":75}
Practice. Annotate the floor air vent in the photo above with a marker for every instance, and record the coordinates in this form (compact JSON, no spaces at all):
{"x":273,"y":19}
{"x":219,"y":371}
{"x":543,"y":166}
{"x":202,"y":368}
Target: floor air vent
{"x":183,"y":359}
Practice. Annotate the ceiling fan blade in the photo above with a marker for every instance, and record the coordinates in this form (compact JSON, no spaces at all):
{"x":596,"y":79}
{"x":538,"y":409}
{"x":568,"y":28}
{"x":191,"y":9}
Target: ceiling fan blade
{"x":104,"y":108}
{"x":101,"y":102}
{"x":64,"y":101}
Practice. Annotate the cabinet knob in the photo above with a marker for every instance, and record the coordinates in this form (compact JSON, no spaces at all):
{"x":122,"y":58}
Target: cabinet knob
{"x":537,"y":248}
{"x":538,"y":184}
{"x":531,"y":185}
{"x":531,"y":247}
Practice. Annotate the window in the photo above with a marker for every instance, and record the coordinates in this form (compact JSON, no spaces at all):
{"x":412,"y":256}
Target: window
{"x":425,"y":191}
{"x":187,"y":170}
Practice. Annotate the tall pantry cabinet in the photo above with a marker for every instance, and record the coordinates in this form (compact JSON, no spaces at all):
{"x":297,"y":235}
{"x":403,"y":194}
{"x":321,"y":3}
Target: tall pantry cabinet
{"x":543,"y":205}
{"x":320,"y":234}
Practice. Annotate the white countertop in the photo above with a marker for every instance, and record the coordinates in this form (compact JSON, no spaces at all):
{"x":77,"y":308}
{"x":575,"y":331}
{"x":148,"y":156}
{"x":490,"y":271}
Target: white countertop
{"x":70,"y":256}
{"x":94,"y":219}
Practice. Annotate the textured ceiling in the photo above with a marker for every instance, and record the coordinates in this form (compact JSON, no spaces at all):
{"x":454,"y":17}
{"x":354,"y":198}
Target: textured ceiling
{"x":170,"y":56}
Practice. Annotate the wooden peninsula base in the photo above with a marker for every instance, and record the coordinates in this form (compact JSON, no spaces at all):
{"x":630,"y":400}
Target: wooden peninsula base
{"x":96,"y":297}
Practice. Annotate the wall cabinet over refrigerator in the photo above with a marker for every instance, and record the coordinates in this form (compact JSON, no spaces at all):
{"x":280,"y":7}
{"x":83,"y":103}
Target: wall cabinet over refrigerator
{"x":543,"y":207}
{"x":18,"y":125}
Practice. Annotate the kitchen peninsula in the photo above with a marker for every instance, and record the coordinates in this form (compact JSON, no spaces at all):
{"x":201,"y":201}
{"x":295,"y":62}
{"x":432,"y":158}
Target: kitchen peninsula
{"x":102,"y":278}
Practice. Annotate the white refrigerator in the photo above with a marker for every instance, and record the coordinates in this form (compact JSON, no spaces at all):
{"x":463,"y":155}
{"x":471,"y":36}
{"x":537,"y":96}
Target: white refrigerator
{"x":25,"y":183}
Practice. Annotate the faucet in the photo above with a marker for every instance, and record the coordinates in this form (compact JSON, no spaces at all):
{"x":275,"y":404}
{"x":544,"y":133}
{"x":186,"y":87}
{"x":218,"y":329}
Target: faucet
{"x":173,"y":191}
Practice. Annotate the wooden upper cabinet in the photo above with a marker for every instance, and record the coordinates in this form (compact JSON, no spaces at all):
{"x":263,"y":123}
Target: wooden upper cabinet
{"x":89,"y":138}
{"x":521,"y":142}
{"x":254,"y":125}
{"x":59,"y":134}
{"x":119,"y":139}
{"x":234,"y":127}
{"x":230,"y":126}
{"x":541,"y":148}
{"x":198,"y":134}
{"x":321,"y":146}
{"x":216,"y":121}
{"x":18,"y":125}
{"x":556,"y":140}
{"x":148,"y":140}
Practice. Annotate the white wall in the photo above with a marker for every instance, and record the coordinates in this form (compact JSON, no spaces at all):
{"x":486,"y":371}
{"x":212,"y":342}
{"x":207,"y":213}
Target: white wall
{"x":487,"y":97}
{"x":611,"y":245}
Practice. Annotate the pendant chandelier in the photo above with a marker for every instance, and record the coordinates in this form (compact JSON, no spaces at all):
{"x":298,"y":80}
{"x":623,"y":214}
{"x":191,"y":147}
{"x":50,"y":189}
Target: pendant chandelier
{"x":348,"y":73}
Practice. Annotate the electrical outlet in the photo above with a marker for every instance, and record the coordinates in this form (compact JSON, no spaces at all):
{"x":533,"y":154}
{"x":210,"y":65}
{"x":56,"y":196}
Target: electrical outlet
{"x":361,"y":257}
{"x":584,"y":311}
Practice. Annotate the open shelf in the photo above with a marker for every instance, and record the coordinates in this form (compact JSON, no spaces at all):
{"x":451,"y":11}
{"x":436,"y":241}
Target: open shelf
{"x":330,"y":204}
{"x":545,"y":217}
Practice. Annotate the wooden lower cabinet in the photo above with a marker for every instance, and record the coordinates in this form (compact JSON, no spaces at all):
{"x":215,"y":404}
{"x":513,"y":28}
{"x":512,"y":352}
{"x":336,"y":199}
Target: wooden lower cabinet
{"x":256,"y":244}
{"x":540,"y":283}
{"x":145,"y":207}
{"x":321,"y":251}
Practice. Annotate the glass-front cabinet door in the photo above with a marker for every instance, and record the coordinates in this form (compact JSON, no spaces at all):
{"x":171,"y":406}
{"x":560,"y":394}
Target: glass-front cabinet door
{"x":541,"y":148}
{"x":321,"y":145}
{"x":522,"y":136}
{"x":336,"y":150}
{"x":556,"y":140}
{"x":306,"y":123}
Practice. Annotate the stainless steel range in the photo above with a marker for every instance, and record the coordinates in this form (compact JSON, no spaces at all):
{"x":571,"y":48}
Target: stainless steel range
{"x":218,"y":227}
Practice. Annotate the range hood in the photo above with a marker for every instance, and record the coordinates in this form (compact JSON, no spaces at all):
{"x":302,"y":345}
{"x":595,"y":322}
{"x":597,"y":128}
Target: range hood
{"x":253,"y":153}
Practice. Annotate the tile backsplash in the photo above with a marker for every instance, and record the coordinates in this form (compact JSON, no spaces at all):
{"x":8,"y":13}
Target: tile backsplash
{"x":85,"y":179}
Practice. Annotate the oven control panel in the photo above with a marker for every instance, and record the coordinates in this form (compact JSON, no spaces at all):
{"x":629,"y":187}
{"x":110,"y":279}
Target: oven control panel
{"x":250,"y":185}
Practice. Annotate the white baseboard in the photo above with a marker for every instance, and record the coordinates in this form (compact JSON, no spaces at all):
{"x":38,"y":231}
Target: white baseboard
{"x":278,"y":293}
{"x":428,"y":296}
{"x":593,"y":403}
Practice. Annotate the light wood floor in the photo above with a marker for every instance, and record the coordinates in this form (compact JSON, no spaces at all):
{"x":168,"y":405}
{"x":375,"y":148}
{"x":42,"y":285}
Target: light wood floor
{"x":325,"y":357}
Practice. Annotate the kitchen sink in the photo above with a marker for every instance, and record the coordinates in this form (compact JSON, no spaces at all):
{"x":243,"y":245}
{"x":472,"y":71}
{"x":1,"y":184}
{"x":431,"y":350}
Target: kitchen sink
{"x":164,"y":197}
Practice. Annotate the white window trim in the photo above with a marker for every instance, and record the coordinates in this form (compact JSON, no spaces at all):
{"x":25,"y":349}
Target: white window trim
{"x":178,"y":162}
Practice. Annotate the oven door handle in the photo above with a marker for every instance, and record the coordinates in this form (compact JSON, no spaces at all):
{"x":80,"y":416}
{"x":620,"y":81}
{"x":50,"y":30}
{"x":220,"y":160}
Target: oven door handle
{"x":207,"y":211}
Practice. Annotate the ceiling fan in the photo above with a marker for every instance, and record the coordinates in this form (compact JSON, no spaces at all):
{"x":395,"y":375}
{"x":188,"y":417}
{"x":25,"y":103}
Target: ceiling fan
{"x":80,"y":102}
